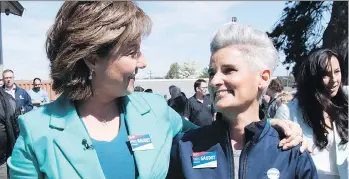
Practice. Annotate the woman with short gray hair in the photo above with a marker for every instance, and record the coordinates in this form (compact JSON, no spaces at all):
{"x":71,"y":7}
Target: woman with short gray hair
{"x":239,"y":144}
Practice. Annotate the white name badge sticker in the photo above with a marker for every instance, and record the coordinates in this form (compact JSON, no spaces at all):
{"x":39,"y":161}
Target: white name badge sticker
{"x":140,"y":142}
{"x":204,"y":160}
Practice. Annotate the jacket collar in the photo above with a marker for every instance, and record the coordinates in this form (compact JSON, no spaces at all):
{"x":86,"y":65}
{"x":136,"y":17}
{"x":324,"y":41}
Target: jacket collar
{"x":254,"y":132}
{"x":67,"y":114}
{"x":14,"y":87}
{"x":71,"y":132}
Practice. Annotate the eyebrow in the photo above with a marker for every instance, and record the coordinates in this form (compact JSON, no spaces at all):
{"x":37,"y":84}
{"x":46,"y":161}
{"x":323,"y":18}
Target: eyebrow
{"x":228,"y":66}
{"x":223,"y":66}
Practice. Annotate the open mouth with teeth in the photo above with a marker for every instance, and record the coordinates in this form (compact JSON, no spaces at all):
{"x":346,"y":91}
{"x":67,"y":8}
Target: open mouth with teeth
{"x":222,"y":93}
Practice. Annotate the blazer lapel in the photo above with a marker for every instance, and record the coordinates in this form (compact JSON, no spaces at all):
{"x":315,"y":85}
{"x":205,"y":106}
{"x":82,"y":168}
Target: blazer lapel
{"x":140,"y":120}
{"x":70,"y":134}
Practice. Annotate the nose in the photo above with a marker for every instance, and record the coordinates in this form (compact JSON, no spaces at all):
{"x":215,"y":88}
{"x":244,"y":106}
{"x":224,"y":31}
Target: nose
{"x":333,"y":78}
{"x":141,"y":62}
{"x":216,"y":80}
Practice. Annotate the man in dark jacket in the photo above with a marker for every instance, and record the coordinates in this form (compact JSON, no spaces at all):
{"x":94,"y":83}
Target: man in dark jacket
{"x":9,"y":129}
{"x":178,"y":100}
{"x":23,"y":100}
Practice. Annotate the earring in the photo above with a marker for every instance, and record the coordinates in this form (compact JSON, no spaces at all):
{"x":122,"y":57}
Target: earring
{"x":90,"y":76}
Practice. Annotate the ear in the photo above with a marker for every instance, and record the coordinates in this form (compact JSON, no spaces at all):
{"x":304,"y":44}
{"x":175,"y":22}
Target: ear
{"x":264,"y":79}
{"x":91,"y":63}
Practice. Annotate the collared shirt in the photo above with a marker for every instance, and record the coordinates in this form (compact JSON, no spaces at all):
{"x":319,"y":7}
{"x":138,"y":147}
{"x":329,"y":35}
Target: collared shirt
{"x":11,"y":91}
{"x":199,"y":113}
{"x":40,"y":95}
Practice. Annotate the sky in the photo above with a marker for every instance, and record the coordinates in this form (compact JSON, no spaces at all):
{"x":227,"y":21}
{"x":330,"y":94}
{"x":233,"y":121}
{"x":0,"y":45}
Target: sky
{"x":181,"y":33}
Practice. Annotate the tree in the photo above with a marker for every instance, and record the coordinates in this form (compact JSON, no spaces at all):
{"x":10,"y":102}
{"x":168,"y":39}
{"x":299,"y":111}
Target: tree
{"x":173,"y":72}
{"x":300,"y":30}
{"x":187,"y":70}
{"x":204,"y":73}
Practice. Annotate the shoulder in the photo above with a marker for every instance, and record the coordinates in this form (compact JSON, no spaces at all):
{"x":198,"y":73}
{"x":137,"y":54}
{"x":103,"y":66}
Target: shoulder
{"x":145,"y":101}
{"x":152,"y":99}
{"x":291,"y":106}
{"x":191,"y":100}
{"x":282,"y":109}
{"x":21,"y":90}
{"x":18,"y":88}
{"x":200,"y":135}
{"x":273,"y":137}
{"x":38,"y":118}
{"x":35,"y":117}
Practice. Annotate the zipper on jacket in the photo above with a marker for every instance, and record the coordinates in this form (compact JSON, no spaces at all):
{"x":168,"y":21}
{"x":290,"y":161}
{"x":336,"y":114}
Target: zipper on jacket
{"x":231,"y":156}
{"x":245,"y":151}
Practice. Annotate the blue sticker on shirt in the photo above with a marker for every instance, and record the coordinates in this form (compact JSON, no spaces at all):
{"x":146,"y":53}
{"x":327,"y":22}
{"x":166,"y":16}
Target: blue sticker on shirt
{"x":204,"y":160}
{"x":140,"y":142}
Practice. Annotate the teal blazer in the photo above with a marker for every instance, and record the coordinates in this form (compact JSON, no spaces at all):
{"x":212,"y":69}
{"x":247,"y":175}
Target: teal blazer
{"x":50,"y":141}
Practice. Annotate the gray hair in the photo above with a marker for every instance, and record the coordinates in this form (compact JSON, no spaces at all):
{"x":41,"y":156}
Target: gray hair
{"x":175,"y":92}
{"x":257,"y":48}
{"x":255,"y":45}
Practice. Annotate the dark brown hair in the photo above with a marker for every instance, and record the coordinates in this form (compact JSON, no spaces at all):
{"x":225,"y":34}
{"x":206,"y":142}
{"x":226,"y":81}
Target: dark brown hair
{"x":276,"y":85}
{"x":85,"y":30}
{"x":314,"y":98}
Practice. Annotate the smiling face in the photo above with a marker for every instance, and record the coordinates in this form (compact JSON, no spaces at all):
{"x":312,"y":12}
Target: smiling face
{"x":116,"y":76}
{"x":233,"y":85}
{"x":333,"y":76}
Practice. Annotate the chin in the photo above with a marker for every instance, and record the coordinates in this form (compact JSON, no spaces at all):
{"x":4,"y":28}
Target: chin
{"x":333,"y":94}
{"x":223,"y":105}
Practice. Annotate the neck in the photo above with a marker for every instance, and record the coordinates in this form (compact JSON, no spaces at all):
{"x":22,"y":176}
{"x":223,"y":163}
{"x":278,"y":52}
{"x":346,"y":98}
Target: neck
{"x":199,"y":96}
{"x":237,"y":122}
{"x":98,"y":108}
{"x":10,"y":87}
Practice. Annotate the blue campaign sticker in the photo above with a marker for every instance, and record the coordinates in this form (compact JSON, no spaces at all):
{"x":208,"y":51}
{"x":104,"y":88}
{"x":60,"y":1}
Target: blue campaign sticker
{"x":140,"y":142}
{"x":204,"y":160}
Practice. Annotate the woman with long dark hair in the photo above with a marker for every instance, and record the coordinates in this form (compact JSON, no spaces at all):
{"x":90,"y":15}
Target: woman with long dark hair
{"x":321,"y":109}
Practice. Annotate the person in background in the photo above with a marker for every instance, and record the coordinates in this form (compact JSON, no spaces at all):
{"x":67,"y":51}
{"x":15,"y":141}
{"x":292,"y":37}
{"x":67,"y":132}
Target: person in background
{"x":284,"y":98}
{"x":9,"y":129}
{"x":38,"y":95}
{"x":177,"y":101}
{"x":199,"y":109}
{"x":184,"y":95}
{"x":1,"y":82}
{"x":238,"y":145}
{"x":139,"y":89}
{"x":274,"y":90}
{"x":321,"y":109}
{"x":148,"y":91}
{"x":23,"y":100}
{"x":263,"y":106}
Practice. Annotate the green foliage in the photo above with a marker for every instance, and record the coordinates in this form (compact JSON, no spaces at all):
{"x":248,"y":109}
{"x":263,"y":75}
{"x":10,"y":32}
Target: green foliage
{"x":300,"y":30}
{"x":173,"y":72}
{"x":204,"y":73}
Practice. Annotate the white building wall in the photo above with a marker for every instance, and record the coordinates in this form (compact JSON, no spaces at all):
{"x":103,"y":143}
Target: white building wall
{"x":160,"y":86}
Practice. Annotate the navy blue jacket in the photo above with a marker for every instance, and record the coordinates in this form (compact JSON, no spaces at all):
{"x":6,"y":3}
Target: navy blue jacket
{"x":260,"y":154}
{"x":23,"y":99}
